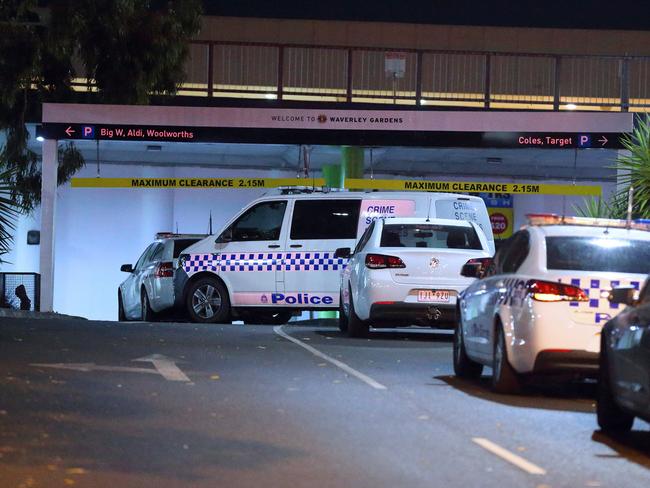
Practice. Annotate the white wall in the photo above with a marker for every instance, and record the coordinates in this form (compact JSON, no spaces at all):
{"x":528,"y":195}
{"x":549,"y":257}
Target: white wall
{"x":98,"y":230}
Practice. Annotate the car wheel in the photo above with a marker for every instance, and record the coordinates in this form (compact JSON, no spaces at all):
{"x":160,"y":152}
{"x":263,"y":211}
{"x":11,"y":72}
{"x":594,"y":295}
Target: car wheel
{"x":610,"y":416}
{"x":208,"y":302}
{"x":356,"y":326}
{"x":148,"y":315}
{"x":464,"y":367}
{"x":504,"y":378}
{"x":121,"y":316}
{"x":343,"y":317}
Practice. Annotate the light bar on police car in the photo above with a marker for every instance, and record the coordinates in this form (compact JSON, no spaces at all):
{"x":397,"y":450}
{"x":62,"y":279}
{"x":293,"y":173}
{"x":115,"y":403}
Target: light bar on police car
{"x":555,"y":219}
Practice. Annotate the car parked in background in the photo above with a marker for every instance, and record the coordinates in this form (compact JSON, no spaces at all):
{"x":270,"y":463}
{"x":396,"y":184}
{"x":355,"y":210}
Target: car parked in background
{"x":406,"y":271}
{"x":542,"y":304}
{"x":149,"y":288}
{"x":624,"y":381}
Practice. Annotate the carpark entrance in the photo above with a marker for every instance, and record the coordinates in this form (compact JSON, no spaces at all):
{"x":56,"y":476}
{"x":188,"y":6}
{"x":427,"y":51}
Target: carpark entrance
{"x":151,"y":162}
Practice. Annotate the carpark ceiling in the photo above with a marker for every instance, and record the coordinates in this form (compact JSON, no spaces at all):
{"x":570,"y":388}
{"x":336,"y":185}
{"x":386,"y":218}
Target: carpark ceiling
{"x":587,"y":164}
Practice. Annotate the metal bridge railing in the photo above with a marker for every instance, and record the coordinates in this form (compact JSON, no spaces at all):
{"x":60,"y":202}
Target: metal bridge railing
{"x":411,"y":77}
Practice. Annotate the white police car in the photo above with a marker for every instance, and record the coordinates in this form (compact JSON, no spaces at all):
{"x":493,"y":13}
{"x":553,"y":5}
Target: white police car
{"x":149,"y":288}
{"x":543,"y":301}
{"x":277,"y":256}
{"x":406,"y":271}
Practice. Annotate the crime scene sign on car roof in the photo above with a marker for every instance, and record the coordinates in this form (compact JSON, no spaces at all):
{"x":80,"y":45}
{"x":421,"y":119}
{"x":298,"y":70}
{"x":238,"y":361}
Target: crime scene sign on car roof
{"x":358,"y":184}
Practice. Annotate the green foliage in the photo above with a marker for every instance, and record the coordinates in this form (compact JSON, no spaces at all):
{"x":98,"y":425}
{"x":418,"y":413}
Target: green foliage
{"x":128,"y":48}
{"x":8,"y":213}
{"x":633,"y":170}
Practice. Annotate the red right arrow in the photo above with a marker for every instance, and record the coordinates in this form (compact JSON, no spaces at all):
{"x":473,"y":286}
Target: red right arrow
{"x":69,"y":131}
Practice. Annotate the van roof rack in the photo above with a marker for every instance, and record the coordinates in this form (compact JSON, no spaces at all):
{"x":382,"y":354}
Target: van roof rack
{"x":296,"y":190}
{"x":174,"y":235}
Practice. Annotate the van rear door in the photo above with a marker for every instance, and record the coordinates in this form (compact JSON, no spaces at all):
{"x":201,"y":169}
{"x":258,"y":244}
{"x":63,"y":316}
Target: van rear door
{"x":468,"y":209}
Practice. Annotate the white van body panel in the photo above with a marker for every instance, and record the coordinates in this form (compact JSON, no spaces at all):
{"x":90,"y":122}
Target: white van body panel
{"x":303,"y":273}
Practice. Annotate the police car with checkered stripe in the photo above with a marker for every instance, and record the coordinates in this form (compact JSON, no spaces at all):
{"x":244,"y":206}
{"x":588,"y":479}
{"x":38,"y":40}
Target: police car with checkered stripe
{"x":541,"y":303}
{"x":277,"y":257}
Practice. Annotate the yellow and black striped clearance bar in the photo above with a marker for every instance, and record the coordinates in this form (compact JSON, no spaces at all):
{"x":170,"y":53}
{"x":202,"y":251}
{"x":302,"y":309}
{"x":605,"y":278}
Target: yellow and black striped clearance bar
{"x":362,"y":184}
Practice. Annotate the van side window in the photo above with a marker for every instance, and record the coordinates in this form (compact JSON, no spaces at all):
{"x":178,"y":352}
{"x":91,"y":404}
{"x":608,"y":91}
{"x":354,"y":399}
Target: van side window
{"x":365,"y":237}
{"x":325,"y":219}
{"x":263,"y":222}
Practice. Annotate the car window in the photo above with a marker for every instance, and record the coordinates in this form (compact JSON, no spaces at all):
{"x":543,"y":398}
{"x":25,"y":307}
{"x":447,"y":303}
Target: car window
{"x":181,"y":244}
{"x":517,"y":251}
{"x":325,"y":219}
{"x":430,"y":236}
{"x":143,"y":257}
{"x":263,"y":222}
{"x":365,"y":237}
{"x":156,"y":253}
{"x":588,"y":253}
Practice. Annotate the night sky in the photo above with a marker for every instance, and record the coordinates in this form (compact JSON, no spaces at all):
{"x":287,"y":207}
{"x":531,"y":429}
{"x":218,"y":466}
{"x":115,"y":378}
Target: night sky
{"x":593,"y":14}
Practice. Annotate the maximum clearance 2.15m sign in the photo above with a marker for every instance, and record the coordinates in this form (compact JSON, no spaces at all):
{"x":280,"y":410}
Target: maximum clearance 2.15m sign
{"x":361,"y":184}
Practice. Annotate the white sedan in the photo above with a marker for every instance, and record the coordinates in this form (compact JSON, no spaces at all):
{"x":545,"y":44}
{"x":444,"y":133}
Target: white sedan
{"x":149,"y":288}
{"x":543,"y":301}
{"x":406,"y":271}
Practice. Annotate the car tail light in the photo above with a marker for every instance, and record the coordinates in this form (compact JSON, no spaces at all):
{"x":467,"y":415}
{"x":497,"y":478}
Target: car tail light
{"x":484,"y":262}
{"x":550,"y":291}
{"x":380,"y":261}
{"x":164,"y":270}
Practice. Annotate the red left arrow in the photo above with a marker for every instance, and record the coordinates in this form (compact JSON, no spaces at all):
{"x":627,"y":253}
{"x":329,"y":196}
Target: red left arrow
{"x":70,"y":131}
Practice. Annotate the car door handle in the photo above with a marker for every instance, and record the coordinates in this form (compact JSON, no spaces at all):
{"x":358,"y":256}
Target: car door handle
{"x":295,"y":245}
{"x":274,"y":246}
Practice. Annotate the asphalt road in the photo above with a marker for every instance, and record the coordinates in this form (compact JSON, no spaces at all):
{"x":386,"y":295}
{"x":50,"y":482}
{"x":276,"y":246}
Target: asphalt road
{"x":244,"y":406}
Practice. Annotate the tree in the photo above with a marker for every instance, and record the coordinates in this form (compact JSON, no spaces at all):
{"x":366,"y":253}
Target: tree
{"x":634,"y":168}
{"x":129,"y":50}
{"x":8,"y":213}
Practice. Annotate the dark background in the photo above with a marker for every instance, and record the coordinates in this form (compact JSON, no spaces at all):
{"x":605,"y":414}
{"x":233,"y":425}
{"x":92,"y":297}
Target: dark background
{"x":590,"y":14}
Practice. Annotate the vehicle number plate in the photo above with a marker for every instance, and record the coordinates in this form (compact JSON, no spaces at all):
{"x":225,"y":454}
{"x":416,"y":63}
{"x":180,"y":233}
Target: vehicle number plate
{"x":436,"y":296}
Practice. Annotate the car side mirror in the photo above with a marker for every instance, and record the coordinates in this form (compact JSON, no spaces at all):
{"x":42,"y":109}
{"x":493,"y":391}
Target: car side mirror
{"x":625,"y":295}
{"x":127,"y":268}
{"x":475,"y":268}
{"x":343,"y":252}
{"x":226,"y":236}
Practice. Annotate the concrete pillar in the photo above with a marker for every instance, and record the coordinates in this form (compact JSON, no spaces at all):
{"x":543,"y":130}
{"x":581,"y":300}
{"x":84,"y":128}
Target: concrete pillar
{"x":48,"y":210}
{"x":333,"y":175}
{"x":352,"y":159}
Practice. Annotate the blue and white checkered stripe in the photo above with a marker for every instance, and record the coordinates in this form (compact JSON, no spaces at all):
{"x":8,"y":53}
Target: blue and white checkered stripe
{"x":594,"y":289}
{"x":258,"y":261}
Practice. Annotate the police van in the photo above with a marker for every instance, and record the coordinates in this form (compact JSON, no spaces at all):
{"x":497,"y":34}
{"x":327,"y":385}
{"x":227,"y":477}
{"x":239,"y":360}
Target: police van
{"x":277,"y":256}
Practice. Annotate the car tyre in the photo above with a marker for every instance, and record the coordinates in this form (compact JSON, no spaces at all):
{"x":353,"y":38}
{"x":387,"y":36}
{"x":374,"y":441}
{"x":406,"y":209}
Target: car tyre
{"x":207,"y":301}
{"x":504,"y":378}
{"x":356,"y":326}
{"x":464,"y":367}
{"x":343,"y":318}
{"x":611,"y":418}
{"x":148,"y":315}
{"x":121,"y":316}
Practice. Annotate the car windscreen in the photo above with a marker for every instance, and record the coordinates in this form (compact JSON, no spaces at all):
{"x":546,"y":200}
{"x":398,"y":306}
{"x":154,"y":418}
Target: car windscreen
{"x":584,"y":253}
{"x":181,"y":244}
{"x":430,"y":236}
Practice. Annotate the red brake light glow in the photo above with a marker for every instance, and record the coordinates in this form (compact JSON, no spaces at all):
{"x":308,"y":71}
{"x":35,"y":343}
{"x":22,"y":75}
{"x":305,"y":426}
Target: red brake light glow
{"x":380,"y":261}
{"x":164,"y":270}
{"x":549,"y":291}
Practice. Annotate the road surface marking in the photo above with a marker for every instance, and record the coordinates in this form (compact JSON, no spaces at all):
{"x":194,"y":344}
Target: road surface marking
{"x":339,"y":364}
{"x":506,"y":455}
{"x":86,"y":367}
{"x":165,"y":366}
